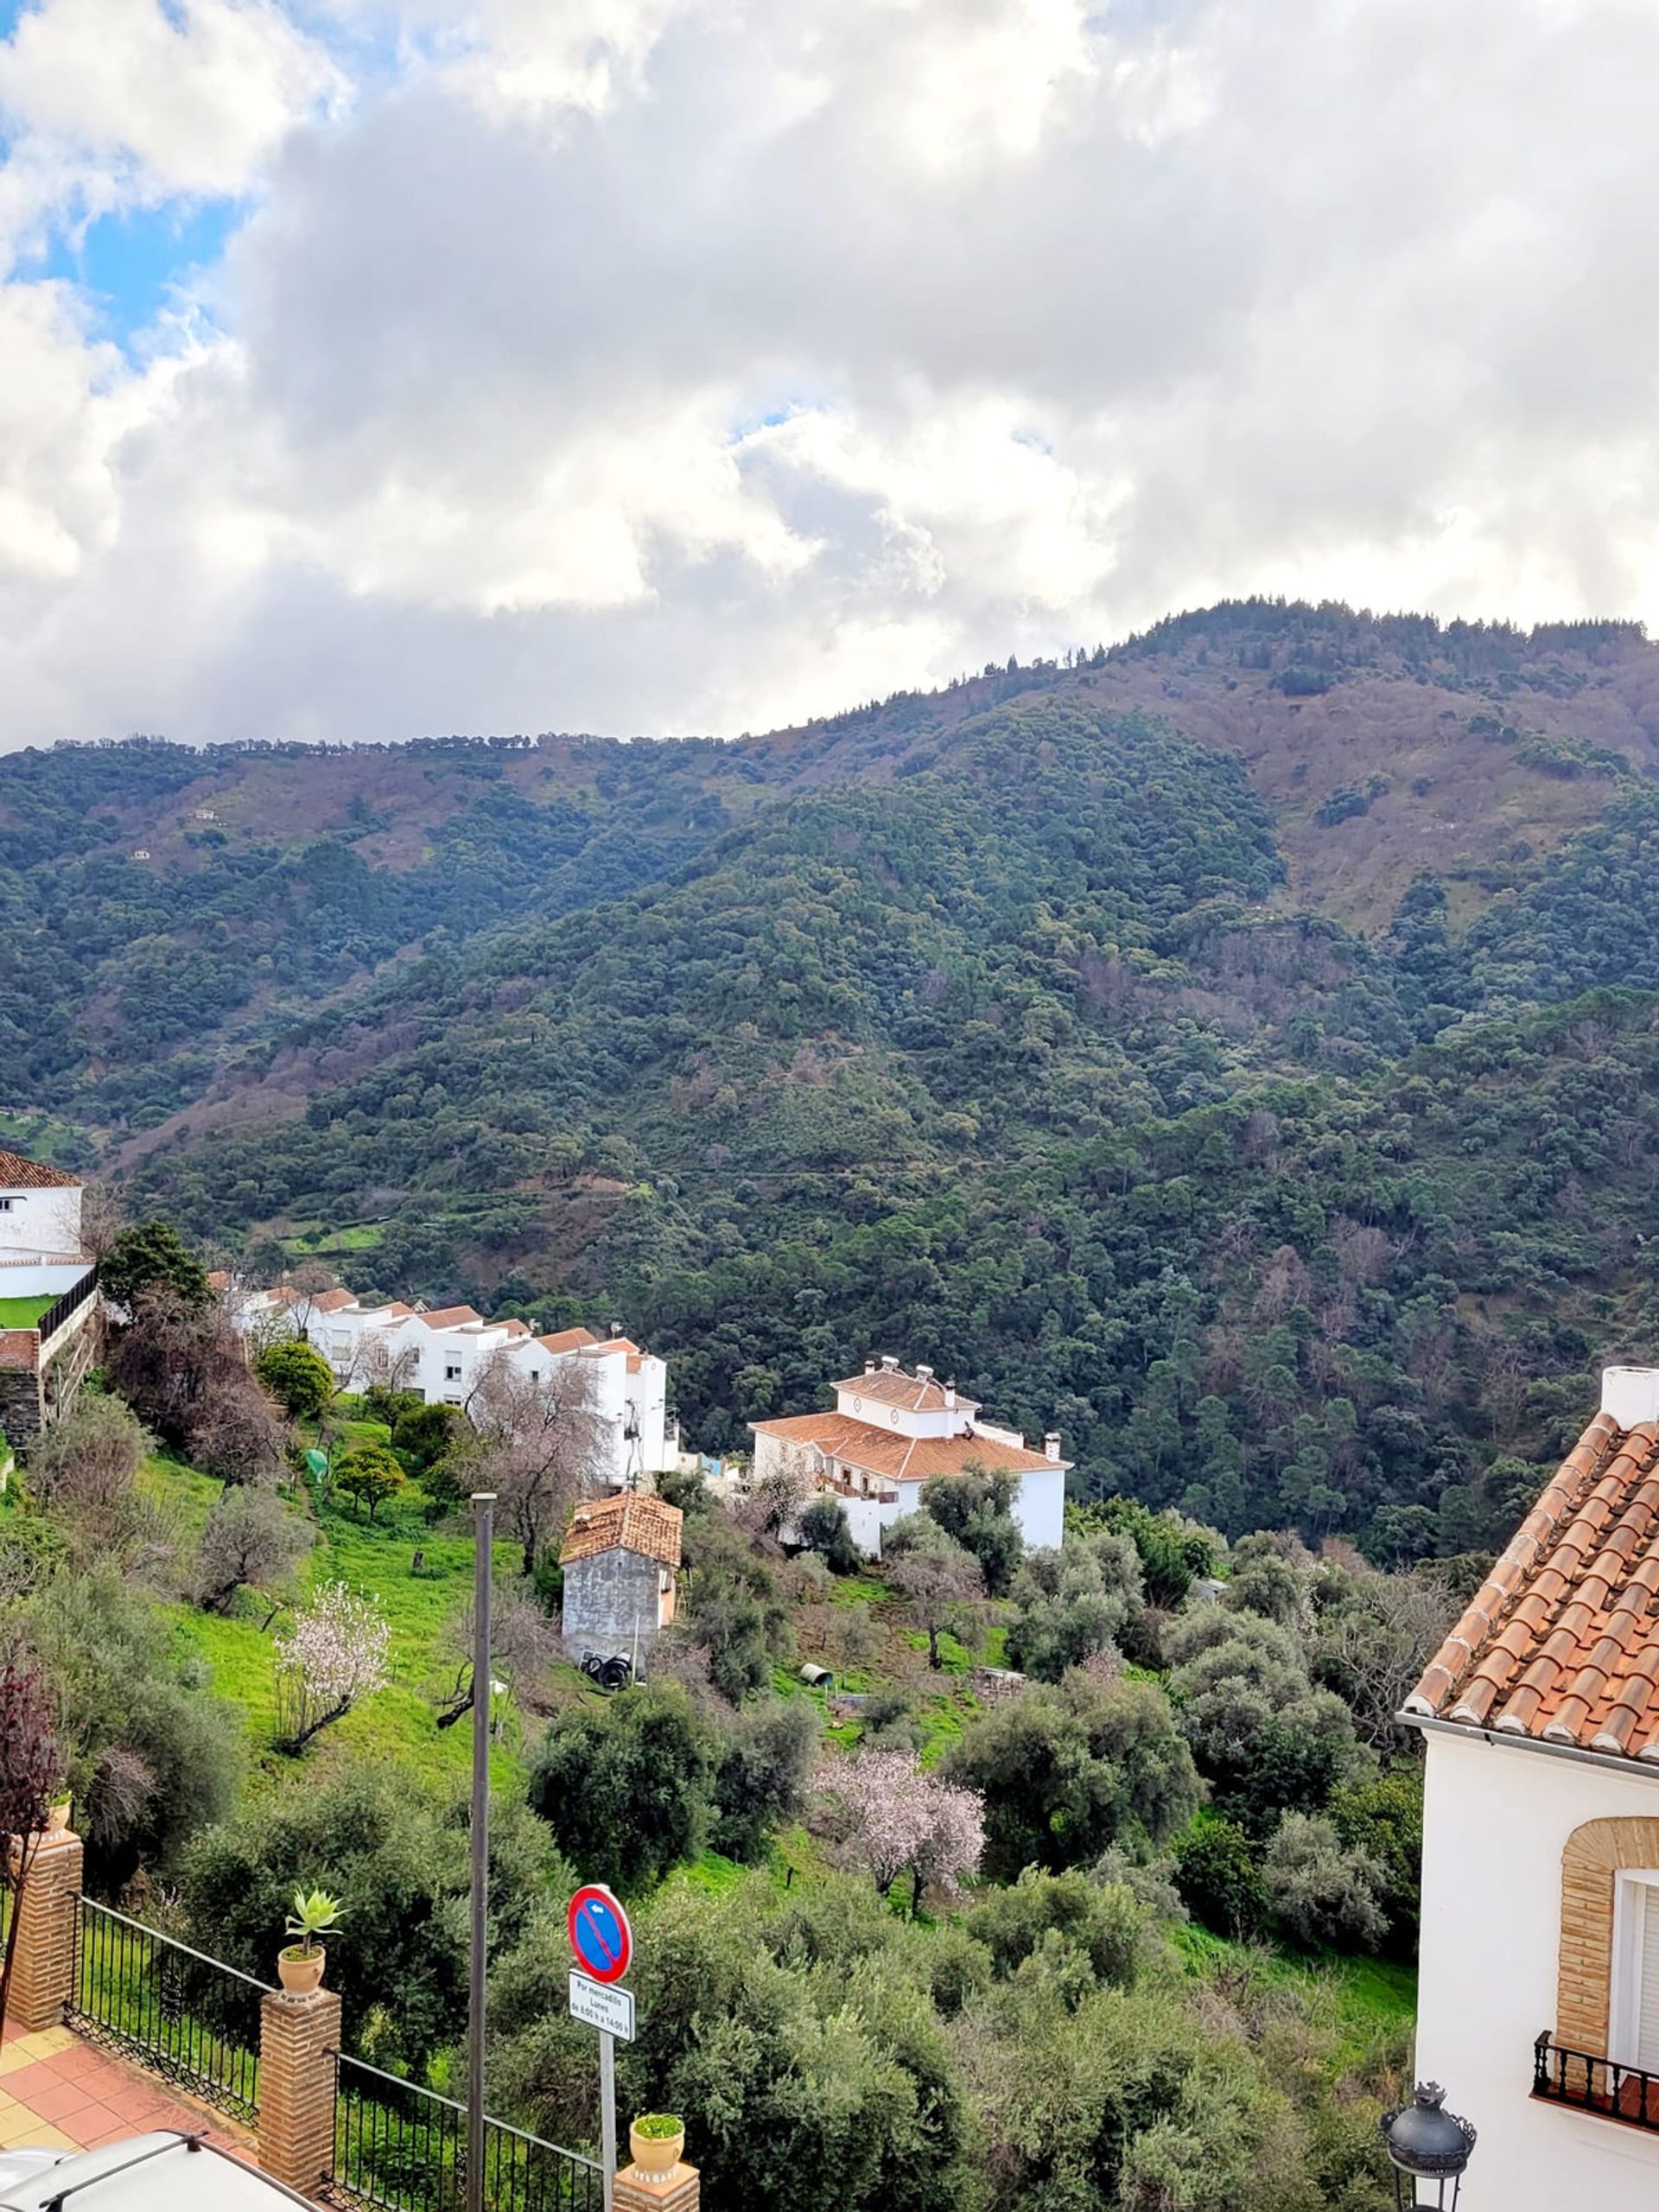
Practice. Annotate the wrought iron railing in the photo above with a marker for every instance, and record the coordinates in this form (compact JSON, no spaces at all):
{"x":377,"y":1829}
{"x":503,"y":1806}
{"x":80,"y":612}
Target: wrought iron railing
{"x":75,"y":1297}
{"x":1591,"y":2083}
{"x":181,"y":2014}
{"x":403,"y":2147}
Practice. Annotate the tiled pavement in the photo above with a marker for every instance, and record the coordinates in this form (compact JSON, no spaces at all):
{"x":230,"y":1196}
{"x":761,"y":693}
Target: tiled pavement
{"x":60,"y":2092}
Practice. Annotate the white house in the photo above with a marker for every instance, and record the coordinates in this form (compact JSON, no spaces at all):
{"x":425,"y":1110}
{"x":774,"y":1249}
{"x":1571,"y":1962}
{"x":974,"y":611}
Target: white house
{"x":444,"y":1354}
{"x":1539,"y":1983}
{"x":48,"y":1306}
{"x":893,"y":1433}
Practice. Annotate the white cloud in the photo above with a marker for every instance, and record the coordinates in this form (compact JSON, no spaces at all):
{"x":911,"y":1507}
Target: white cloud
{"x":117,"y":102}
{"x":702,"y":363}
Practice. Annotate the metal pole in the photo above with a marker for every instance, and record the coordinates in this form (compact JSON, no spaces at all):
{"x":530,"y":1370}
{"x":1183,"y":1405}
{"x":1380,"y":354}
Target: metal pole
{"x":483,"y":1555}
{"x":607,"y":2112}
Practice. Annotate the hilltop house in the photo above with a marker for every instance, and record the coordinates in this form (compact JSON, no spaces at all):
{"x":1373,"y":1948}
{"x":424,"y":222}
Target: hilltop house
{"x":620,"y":1556}
{"x":49,"y":1328}
{"x":893,"y":1433}
{"x":1539,"y":1981}
{"x":444,"y":1354}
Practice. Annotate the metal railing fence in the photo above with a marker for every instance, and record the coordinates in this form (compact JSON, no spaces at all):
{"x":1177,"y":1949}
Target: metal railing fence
{"x":76,"y":1296}
{"x":1591,"y":2083}
{"x":403,"y":2147}
{"x":184,"y":2016}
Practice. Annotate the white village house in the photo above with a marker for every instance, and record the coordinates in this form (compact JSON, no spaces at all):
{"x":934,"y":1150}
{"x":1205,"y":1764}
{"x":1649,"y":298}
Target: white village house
{"x":48,"y":1305}
{"x":890,"y":1434}
{"x":443,"y":1356}
{"x":1539,"y":1981}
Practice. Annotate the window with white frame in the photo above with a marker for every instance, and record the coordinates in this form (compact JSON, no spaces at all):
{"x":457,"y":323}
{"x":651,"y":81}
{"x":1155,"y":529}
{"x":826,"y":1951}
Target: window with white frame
{"x":1634,"y":2011}
{"x":6,"y":1204}
{"x":452,"y":1367}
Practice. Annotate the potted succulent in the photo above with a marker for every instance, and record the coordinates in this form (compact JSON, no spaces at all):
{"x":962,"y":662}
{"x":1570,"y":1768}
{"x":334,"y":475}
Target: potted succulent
{"x":57,"y":1812}
{"x":299,"y":1966}
{"x":656,"y":2141}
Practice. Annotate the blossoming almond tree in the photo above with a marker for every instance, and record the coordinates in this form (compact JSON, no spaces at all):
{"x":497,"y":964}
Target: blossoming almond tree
{"x":334,"y":1653}
{"x":902,"y":1819}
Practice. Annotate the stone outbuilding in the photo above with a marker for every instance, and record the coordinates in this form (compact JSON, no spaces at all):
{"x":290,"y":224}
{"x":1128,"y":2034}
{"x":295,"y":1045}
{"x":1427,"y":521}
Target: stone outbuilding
{"x":620,"y":1557}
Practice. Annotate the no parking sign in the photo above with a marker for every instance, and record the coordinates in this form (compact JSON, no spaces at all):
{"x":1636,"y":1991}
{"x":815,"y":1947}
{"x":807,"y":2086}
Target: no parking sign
{"x":600,"y":1933}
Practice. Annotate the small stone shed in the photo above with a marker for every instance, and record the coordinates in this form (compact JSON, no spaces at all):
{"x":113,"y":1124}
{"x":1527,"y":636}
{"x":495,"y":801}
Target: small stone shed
{"x":621,"y":1556}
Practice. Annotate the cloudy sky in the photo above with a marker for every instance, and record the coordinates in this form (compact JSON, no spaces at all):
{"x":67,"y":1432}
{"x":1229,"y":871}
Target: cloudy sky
{"x":701,"y":364}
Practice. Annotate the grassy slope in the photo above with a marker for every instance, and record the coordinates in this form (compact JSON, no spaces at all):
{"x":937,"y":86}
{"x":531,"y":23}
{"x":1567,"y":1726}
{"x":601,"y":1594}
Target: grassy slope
{"x":399,"y":1722}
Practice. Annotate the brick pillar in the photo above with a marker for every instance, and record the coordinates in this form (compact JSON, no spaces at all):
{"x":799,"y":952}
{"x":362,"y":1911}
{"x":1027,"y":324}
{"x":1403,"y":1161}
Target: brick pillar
{"x":680,"y":2191}
{"x":43,"y":1974}
{"x":297,"y":2038}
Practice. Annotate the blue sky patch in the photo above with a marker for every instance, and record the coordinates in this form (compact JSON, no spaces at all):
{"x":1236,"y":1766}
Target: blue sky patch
{"x":129,"y":265}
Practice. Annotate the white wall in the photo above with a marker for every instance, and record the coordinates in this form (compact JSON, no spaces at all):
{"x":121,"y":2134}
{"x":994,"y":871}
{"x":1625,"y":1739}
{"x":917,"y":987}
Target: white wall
{"x":39,"y":1222}
{"x":1040,"y":1506}
{"x":1495,"y":1818}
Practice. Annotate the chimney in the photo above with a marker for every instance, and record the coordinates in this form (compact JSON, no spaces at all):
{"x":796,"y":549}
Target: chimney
{"x":924,"y":1374}
{"x":1630,"y":1395}
{"x":889,"y":1364}
{"x":949,"y":1397}
{"x":869,"y":1367}
{"x":1051,"y":1445}
{"x":616,"y":1330}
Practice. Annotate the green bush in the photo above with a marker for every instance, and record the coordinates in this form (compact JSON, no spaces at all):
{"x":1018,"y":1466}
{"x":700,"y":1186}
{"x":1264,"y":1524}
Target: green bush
{"x":1219,"y":1880}
{"x":297,"y":1376}
{"x":624,"y":1784}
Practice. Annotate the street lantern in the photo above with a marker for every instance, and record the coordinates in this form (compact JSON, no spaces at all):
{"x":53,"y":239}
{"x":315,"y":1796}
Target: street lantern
{"x":1429,"y":2148}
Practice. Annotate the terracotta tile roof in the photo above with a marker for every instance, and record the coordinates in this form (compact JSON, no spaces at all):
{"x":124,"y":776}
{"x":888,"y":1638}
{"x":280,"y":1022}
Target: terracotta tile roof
{"x":514,"y":1328}
{"x":333,"y":1301}
{"x":630,"y":1522}
{"x":620,"y":1344}
{"x":902,"y":1458}
{"x":892,"y":1386}
{"x":451,"y":1317}
{"x":17,"y":1174}
{"x":1561,"y":1642}
{"x":568,"y":1340}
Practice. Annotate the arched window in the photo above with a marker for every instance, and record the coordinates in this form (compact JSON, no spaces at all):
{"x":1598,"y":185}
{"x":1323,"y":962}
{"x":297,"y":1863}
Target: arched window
{"x":1607,"y":1987}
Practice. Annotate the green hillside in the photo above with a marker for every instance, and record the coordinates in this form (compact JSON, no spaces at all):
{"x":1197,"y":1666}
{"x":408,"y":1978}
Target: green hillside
{"x":1235,"y":1051}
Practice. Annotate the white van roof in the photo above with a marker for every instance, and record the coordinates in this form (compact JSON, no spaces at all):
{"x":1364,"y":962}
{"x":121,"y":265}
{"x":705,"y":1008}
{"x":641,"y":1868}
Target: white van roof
{"x":167,"y":2172}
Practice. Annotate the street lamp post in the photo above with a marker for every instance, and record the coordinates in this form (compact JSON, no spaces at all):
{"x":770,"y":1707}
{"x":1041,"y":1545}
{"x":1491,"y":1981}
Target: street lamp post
{"x":1428,"y":2149}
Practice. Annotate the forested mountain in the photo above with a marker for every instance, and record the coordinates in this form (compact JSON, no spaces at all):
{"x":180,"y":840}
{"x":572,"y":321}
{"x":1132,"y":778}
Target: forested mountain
{"x":1236,"y":1050}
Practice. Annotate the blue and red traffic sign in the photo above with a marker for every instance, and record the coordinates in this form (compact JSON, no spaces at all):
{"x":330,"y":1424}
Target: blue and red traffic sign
{"x":600,"y":1933}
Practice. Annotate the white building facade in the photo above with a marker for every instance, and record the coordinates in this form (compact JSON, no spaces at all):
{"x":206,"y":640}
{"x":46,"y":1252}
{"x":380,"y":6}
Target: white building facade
{"x":891,"y":1433}
{"x":50,"y":1317}
{"x":1538,"y":2005}
{"x":445,"y":1355}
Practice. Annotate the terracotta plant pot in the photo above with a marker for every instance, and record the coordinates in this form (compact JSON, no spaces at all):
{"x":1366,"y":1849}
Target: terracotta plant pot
{"x":57,"y":1816}
{"x":300,"y":1974}
{"x":656,"y":2154}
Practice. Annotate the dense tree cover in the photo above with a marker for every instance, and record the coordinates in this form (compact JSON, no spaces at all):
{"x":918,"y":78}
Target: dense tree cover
{"x":983,"y":1028}
{"x":1010,"y":1067}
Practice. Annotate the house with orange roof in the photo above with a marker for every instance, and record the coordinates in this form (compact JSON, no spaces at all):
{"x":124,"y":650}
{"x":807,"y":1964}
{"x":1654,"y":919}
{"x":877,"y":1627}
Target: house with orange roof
{"x":445,"y":1352}
{"x":891,"y":1433}
{"x":1538,"y":2003}
{"x":620,"y":1557}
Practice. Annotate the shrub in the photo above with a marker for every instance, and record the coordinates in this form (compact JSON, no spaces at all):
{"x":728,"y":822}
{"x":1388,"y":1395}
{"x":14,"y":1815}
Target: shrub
{"x":1061,"y":1916}
{"x":1220,"y":1883}
{"x":764,"y":1771}
{"x":297,"y":1376}
{"x":1320,"y":1892}
{"x":823,"y":1527}
{"x":624,"y":1784}
{"x":1066,"y":1772}
{"x":371,"y":1473}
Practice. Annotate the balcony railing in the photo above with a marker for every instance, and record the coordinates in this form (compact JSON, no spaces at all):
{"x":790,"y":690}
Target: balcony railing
{"x":181,"y":2014}
{"x":1589,"y":2083}
{"x":72,"y":1299}
{"x":403,"y":2148}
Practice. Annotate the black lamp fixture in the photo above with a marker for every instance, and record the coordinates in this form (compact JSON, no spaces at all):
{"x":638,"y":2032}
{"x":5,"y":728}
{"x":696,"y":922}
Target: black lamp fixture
{"x":1429,"y":2148}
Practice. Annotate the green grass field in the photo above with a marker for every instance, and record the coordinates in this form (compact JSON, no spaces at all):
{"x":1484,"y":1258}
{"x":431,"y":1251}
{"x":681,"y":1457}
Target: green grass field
{"x":398,"y":1723}
{"x":23,"y":1312}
